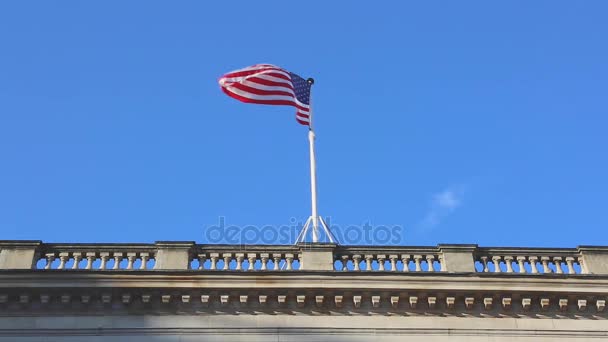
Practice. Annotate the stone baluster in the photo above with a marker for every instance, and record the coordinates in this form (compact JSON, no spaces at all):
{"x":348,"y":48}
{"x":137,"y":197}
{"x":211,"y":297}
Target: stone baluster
{"x":277,"y":261}
{"x":533,"y":260}
{"x":496,"y":260}
{"x":202,"y":258}
{"x":509,"y":263}
{"x":393,"y":259}
{"x":91,"y":256}
{"x":381,"y":259}
{"x":582,"y":264}
{"x":298,"y":258}
{"x":50,"y":257}
{"x":289,"y":261}
{"x":227,"y":259}
{"x":557,"y":261}
{"x":570,"y":264}
{"x":484,"y":261}
{"x":251,"y":257}
{"x":104,"y":256}
{"x":264,"y":257}
{"x":77,"y":257}
{"x":521,"y":262}
{"x":405,"y":259}
{"x":239,"y":261}
{"x":344,"y":263}
{"x":417,"y":261}
{"x":144,"y":260}
{"x":545,"y":262}
{"x":429,"y":262}
{"x":131,"y":257}
{"x":214,"y":257}
{"x":368,"y":262}
{"x":117,"y":259}
{"x":63,"y":259}
{"x":442,"y":263}
{"x":356,"y":262}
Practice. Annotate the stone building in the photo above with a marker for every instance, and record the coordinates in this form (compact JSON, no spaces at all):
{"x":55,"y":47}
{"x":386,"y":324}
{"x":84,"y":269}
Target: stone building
{"x":182,"y":291}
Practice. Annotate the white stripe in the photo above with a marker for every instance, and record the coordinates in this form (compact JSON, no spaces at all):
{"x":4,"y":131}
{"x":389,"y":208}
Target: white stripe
{"x":301,"y":104}
{"x":273,"y":78}
{"x":303,"y":119}
{"x":255,"y":85}
{"x":252,"y":96}
{"x":259,"y":97}
{"x":262,"y":74}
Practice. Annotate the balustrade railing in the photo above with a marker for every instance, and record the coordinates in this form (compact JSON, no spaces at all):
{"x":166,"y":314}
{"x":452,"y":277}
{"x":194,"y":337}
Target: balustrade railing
{"x":180,"y":255}
{"x":528,"y":260}
{"x":391,"y":259}
{"x":245,"y":258}
{"x":96,"y":256}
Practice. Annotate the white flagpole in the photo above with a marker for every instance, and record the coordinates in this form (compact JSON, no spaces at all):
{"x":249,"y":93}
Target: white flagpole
{"x":313,"y":171}
{"x":314,"y":219}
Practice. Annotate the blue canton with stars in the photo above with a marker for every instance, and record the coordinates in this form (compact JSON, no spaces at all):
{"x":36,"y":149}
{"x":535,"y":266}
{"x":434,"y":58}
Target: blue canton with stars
{"x":301,"y":88}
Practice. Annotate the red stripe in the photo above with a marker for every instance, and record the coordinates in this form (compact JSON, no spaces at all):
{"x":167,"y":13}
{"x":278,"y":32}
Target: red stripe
{"x":270,"y":102}
{"x":303,"y":109}
{"x":260,"y":91}
{"x":248,"y":100}
{"x":305,"y":123}
{"x":269,"y":82}
{"x":278,"y":75}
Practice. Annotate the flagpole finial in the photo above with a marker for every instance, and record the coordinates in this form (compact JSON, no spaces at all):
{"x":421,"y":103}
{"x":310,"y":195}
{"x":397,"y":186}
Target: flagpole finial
{"x":310,"y":81}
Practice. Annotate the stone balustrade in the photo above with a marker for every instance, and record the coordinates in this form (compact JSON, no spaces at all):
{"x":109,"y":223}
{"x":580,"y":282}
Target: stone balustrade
{"x":245,"y":258}
{"x":530,"y":260}
{"x":96,"y":256}
{"x":395,"y":259}
{"x":180,"y":255}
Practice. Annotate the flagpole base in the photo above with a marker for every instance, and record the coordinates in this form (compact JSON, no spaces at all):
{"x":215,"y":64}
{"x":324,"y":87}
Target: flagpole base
{"x":312,"y":226}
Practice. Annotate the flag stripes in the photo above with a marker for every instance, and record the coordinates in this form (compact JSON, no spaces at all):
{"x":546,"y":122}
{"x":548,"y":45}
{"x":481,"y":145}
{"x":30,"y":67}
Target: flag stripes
{"x":270,"y":85}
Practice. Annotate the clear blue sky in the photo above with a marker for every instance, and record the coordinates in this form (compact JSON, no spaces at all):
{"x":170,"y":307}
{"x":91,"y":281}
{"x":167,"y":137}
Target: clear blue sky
{"x":462,"y":122}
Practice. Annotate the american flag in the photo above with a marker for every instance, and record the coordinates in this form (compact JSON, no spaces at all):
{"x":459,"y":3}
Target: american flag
{"x":269,"y":84}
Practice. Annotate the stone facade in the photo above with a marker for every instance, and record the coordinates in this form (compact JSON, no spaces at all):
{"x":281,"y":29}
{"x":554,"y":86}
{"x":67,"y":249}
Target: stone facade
{"x":181,"y":291}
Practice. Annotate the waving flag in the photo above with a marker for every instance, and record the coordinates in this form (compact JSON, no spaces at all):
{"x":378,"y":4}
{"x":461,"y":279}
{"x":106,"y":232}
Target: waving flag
{"x":270,"y":85}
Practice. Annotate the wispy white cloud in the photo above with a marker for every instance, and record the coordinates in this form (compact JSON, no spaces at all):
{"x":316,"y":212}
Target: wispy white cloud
{"x":443,"y":204}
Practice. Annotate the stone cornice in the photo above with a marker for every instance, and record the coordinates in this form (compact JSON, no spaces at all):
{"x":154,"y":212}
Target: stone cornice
{"x":241,"y":300}
{"x":307,"y":279}
{"x":144,"y":292}
{"x":20,"y":243}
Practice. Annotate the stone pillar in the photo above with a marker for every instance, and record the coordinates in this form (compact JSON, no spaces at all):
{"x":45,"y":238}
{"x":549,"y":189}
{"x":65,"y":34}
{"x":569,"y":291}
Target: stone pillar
{"x":458,"y":258}
{"x":173,"y":255}
{"x":317,"y":256}
{"x":594,"y":259}
{"x":19,"y":254}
